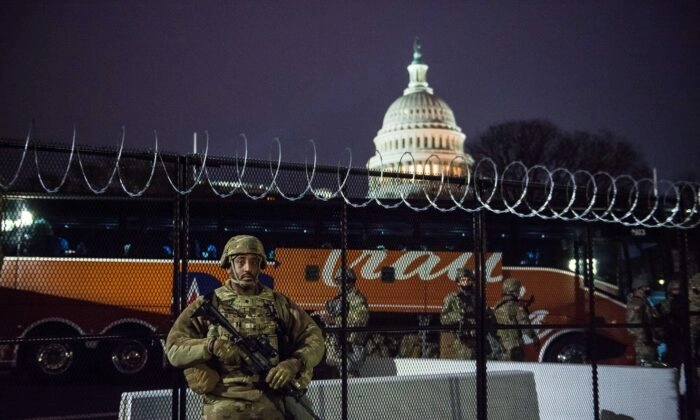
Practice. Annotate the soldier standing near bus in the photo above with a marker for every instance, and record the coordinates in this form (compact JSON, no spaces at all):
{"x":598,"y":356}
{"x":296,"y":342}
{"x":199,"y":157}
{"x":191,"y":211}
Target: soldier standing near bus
{"x":357,"y":316}
{"x":641,"y":311}
{"x":459,"y":309}
{"x":218,"y":369}
{"x":672,"y":320}
{"x":509,"y":311}
{"x":694,"y":309}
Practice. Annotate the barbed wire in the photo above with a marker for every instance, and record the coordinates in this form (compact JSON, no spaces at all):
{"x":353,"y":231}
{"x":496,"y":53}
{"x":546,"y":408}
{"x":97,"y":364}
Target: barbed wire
{"x":537,"y":191}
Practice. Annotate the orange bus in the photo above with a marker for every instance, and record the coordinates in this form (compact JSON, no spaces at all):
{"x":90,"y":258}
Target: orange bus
{"x":89,"y":281}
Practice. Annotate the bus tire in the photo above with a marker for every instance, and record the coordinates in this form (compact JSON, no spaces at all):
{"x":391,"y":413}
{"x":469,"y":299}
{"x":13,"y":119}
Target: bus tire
{"x":570,"y":348}
{"x":54,"y":360}
{"x":128,"y":358}
{"x":131,"y":359}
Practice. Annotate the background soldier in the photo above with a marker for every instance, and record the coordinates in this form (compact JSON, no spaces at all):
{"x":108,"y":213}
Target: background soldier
{"x":218,"y":369}
{"x":672,"y":318}
{"x":694,"y":309}
{"x":641,"y":311}
{"x":509,"y":311}
{"x":357,"y":316}
{"x":459,"y":308}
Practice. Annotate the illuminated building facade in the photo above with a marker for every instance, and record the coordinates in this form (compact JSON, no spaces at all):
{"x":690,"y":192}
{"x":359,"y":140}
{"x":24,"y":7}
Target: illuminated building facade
{"x":419,"y":134}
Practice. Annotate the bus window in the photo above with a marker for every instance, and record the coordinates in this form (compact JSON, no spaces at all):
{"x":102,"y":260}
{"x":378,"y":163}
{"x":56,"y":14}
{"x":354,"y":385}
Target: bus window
{"x":539,"y":247}
{"x":532,"y":244}
{"x":646,"y":258}
{"x":619,"y":258}
{"x":609,"y":268}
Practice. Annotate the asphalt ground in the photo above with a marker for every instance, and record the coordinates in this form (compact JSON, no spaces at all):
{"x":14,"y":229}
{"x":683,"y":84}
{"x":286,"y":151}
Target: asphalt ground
{"x":23,"y":400}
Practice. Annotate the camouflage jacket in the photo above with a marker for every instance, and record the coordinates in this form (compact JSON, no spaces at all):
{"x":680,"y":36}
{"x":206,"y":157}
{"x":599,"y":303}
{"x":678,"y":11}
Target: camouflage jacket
{"x":459,"y":308}
{"x":186,"y":345}
{"x":640,"y":311}
{"x":509,"y":311}
{"x":670,"y":312}
{"x":694,"y":305}
{"x":357,"y":313}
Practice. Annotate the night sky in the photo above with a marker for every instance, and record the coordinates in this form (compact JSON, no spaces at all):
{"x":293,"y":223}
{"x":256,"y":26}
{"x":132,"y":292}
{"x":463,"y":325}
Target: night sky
{"x":328,"y":70}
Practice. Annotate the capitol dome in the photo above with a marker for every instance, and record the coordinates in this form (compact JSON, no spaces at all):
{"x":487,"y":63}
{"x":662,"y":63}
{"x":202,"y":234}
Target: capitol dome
{"x":419,"y":134}
{"x":419,"y":110}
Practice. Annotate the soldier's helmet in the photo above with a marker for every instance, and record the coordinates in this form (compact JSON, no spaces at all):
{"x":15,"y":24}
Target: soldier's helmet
{"x":640,"y":281}
{"x":511,"y":286}
{"x":464,"y":272}
{"x":243,"y":244}
{"x":349,"y":275}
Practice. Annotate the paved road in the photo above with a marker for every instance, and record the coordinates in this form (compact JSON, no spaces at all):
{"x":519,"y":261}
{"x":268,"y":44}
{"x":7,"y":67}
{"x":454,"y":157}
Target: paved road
{"x":85,"y":400}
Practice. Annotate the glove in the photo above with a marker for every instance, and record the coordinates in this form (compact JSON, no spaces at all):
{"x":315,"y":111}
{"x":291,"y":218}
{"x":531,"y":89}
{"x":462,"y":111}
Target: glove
{"x":324,"y":317}
{"x":225,"y":351}
{"x":284,"y":372}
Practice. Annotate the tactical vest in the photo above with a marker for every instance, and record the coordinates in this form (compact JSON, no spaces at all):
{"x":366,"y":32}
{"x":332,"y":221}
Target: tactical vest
{"x":251,"y":316}
{"x":467,"y":303}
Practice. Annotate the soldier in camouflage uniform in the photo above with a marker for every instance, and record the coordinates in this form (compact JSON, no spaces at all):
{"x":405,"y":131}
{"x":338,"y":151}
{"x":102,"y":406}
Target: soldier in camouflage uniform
{"x":694,"y":309}
{"x":357,"y":316}
{"x":218,"y":369}
{"x":459,"y":308}
{"x":670,"y":312}
{"x":509,"y":311}
{"x":641,"y":311}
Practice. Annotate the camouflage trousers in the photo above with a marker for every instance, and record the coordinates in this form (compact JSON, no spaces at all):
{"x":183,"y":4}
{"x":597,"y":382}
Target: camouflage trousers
{"x":222,"y":408}
{"x":464,"y":349}
{"x":645,"y":353}
{"x":357,"y":353}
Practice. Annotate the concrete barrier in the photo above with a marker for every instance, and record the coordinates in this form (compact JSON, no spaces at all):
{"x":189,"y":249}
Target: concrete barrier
{"x":511,"y":395}
{"x":560,"y":392}
{"x":565,"y":392}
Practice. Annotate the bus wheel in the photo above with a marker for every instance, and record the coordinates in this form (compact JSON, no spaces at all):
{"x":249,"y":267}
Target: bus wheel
{"x":51,"y":361}
{"x":567,"y":349}
{"x":129,"y":358}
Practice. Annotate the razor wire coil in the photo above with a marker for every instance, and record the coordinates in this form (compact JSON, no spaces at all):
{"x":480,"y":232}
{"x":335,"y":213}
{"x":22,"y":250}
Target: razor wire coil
{"x":516,"y":189}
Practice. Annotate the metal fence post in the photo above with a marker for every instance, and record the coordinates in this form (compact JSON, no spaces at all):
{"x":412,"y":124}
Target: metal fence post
{"x":589,"y":281}
{"x":479,"y":247}
{"x":180,"y":256}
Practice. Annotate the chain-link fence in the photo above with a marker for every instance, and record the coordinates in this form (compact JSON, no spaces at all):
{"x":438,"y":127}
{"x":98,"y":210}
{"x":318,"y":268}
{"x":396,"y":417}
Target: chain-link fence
{"x":102,"y":249}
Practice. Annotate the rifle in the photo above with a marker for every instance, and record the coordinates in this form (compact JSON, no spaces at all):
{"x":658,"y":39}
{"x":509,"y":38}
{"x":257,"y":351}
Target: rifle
{"x":526,"y":303}
{"x":496,"y":348}
{"x":258,"y":350}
